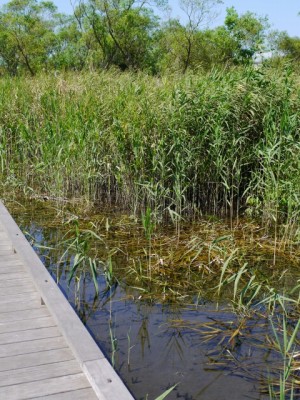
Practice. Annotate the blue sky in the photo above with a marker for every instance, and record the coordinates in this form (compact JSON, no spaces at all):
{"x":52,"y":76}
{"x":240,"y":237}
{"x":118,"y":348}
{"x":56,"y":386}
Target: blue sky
{"x":283,"y":14}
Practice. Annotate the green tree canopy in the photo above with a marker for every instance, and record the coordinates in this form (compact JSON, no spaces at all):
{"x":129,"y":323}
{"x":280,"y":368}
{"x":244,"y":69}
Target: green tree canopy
{"x":248,"y":32}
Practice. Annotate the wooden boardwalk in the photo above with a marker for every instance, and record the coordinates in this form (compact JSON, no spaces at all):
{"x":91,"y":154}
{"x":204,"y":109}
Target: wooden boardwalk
{"x":45,"y":351}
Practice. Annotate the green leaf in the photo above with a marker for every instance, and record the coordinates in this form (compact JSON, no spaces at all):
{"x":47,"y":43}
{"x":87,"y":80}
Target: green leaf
{"x":166,"y":393}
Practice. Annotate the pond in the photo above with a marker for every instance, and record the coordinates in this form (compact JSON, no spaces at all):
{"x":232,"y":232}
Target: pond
{"x":172,"y":329}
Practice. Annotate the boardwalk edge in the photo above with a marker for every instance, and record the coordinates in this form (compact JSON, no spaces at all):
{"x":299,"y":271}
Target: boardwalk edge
{"x":103,"y":378}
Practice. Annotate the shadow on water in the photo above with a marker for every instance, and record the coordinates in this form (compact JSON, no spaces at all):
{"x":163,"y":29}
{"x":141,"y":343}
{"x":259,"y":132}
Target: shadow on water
{"x":207,"y":349}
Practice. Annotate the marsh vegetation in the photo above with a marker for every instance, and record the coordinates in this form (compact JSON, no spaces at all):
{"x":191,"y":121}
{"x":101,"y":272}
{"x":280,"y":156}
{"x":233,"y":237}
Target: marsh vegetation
{"x":157,"y":174}
{"x":207,"y":305}
{"x":200,"y":177}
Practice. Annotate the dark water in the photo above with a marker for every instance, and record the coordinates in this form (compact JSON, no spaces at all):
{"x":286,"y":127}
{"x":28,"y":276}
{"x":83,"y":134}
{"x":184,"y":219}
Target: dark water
{"x":155,"y":346}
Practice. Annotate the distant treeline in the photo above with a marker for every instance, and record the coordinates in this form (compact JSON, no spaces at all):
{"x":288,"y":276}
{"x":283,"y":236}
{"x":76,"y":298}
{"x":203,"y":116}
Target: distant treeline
{"x":129,"y":34}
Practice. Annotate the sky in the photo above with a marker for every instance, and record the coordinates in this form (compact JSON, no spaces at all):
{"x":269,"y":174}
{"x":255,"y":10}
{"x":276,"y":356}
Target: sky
{"x":283,"y":14}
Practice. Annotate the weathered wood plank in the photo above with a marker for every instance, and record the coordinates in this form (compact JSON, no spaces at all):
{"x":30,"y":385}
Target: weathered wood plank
{"x":6,"y":249}
{"x":35,"y":359}
{"x":15,"y":275}
{"x":29,"y":335}
{"x":82,"y":394}
{"x":5,"y":244}
{"x":10,"y":260}
{"x":11,"y":257}
{"x":105,"y":381}
{"x":10,"y":269}
{"x":44,"y":387}
{"x":32,"y":346}
{"x":24,"y":314}
{"x":23,"y":297}
{"x":25,"y":325}
{"x":19,"y":306}
{"x":14,"y":282}
{"x":39,"y":373}
{"x":12,"y":290}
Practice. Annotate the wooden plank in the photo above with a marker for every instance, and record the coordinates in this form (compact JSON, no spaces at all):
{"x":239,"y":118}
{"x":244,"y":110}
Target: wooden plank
{"x":6,"y":291}
{"x":24,"y":314}
{"x":4,"y":253}
{"x":19,"y":306}
{"x":13,"y":275}
{"x":32,"y":346}
{"x":6,"y":250}
{"x":44,"y":387}
{"x":28,"y":324}
{"x":35,"y":359}
{"x":82,"y":394}
{"x":11,"y":258}
{"x":10,"y":269}
{"x":105,"y":381}
{"x":23,"y":297}
{"x":29,"y":335}
{"x":14,"y":262}
{"x":39,"y":373}
{"x":6,"y":245}
{"x":14,"y":282}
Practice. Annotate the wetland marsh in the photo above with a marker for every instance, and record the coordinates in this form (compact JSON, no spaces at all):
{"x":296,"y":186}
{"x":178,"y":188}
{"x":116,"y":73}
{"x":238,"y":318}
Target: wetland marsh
{"x":174,"y":314}
{"x":167,"y":209}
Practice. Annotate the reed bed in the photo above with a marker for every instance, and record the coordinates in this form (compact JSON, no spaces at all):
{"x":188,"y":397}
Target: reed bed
{"x":220,"y":143}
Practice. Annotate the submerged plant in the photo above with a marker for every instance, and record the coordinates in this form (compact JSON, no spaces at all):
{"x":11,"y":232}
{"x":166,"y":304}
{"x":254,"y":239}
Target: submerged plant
{"x":79,"y":247}
{"x":148,"y":226}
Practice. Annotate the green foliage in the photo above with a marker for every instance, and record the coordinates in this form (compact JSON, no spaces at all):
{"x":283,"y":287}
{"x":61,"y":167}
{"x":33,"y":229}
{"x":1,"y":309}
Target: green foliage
{"x":79,"y":245}
{"x":166,"y":393}
{"x":148,"y":224}
{"x":223,"y":143}
{"x":248,"y":33}
{"x":285,"y":343}
{"x":289,"y":46}
{"x":27,"y":34}
{"x":102,"y":34}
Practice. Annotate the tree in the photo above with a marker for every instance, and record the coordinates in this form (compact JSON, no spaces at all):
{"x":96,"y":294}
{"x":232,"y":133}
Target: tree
{"x":27,"y":34}
{"x":198,"y":13}
{"x":248,"y":32}
{"x":289,"y":46}
{"x":123,"y":30}
{"x":182,"y":41}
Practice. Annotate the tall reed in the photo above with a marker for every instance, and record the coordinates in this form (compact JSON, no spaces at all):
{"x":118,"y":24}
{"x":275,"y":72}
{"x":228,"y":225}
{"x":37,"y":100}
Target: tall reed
{"x":223,"y":143}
